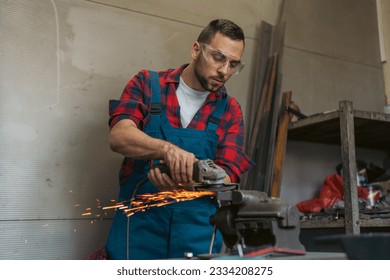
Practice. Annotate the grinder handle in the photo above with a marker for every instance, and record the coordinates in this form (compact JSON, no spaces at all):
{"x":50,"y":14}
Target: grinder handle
{"x":165,"y":169}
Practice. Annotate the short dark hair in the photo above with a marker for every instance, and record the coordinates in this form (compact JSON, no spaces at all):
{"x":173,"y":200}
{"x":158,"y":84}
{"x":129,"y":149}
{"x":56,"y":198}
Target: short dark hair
{"x":223,"y":26}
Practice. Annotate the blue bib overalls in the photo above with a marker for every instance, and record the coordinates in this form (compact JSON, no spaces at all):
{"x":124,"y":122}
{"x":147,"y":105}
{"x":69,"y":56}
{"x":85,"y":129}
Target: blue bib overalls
{"x":167,"y":232}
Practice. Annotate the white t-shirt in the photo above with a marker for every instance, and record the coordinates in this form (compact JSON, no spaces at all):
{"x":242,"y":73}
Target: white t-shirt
{"x":190,"y":102}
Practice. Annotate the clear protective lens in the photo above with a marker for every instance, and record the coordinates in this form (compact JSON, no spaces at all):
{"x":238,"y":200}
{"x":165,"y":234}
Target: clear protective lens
{"x":220,"y":59}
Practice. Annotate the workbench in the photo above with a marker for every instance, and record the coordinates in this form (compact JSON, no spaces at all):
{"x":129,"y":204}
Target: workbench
{"x":306,"y":256}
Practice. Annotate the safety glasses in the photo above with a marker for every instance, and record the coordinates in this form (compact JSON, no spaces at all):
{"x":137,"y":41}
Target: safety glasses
{"x":220,"y":59}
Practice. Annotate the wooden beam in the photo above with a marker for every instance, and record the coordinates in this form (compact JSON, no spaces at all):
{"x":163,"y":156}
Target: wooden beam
{"x":280,"y":144}
{"x":347,"y":135}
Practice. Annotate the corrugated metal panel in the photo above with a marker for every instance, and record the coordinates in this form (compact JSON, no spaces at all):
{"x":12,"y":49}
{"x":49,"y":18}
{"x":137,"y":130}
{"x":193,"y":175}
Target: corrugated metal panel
{"x":51,"y":239}
{"x":54,"y":155}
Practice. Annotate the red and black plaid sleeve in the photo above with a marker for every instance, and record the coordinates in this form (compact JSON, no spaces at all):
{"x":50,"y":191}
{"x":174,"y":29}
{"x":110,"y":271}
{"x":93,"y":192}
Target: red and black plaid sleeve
{"x":230,"y":152}
{"x":134,"y":102}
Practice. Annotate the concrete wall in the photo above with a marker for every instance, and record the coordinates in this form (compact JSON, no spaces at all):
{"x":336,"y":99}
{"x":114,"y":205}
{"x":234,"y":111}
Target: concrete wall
{"x":331,"y":53}
{"x":383,"y":10}
{"x":60,"y":63}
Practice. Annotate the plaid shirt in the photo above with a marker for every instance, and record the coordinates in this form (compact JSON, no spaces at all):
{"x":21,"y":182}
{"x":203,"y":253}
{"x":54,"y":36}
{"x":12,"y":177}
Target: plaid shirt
{"x":135,"y":104}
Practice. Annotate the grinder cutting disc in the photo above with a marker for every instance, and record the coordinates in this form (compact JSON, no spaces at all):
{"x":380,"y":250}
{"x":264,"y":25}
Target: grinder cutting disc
{"x":215,"y":187}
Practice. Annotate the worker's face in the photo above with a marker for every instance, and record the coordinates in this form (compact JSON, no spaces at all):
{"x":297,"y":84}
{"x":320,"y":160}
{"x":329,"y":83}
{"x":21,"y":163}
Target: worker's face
{"x":216,"y":62}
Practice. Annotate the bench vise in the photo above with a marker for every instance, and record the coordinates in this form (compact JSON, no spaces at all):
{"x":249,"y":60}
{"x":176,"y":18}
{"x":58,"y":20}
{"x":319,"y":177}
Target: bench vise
{"x":251,"y":221}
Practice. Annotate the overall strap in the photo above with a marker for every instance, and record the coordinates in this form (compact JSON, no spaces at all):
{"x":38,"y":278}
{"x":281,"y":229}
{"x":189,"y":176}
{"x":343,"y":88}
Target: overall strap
{"x":155,"y":109}
{"x":215,"y":118}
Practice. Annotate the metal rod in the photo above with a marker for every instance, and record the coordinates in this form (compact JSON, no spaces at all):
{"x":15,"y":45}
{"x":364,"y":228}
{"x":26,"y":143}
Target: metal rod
{"x":212,"y":240}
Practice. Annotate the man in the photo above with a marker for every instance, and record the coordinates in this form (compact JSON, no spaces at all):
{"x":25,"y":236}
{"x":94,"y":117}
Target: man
{"x":179,"y":116}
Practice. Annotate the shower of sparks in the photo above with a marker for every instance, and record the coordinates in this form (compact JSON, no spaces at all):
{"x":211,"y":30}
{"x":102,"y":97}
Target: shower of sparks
{"x":142,"y":202}
{"x":90,"y":212}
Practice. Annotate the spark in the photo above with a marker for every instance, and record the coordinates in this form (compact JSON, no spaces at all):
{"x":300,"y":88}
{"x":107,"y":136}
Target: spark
{"x":143,"y":202}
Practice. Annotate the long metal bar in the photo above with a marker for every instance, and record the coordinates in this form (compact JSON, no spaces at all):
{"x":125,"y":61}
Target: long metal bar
{"x":260,"y":143}
{"x":265,"y":35}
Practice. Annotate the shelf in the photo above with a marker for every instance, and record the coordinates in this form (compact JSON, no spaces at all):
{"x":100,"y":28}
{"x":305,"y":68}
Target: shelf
{"x":339,"y":223}
{"x":372,"y":130}
{"x":350,"y":129}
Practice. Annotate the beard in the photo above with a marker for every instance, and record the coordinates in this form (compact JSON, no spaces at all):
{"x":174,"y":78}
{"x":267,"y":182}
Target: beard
{"x":203,"y":80}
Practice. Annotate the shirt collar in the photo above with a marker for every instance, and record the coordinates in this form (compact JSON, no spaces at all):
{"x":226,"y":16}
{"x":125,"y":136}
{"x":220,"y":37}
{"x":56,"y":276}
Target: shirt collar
{"x":174,"y":77}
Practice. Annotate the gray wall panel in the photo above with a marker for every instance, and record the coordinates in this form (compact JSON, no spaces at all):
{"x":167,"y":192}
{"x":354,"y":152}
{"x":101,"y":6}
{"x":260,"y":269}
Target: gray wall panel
{"x":334,"y":28}
{"x":332,"y":54}
{"x":51,"y":239}
{"x":320,"y":82}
